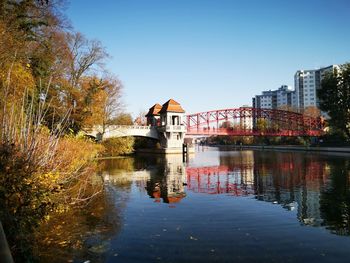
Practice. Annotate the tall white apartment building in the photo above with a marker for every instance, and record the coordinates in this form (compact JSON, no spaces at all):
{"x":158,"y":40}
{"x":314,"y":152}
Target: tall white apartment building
{"x":307,"y":83}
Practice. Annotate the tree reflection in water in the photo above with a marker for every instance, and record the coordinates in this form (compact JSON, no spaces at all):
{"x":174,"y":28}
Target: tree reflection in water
{"x":81,"y":233}
{"x":314,"y":186}
{"x":335,"y":198}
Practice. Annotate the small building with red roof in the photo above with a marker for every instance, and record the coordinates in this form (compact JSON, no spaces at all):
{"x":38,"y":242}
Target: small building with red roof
{"x":153,"y":115}
{"x":169,"y":119}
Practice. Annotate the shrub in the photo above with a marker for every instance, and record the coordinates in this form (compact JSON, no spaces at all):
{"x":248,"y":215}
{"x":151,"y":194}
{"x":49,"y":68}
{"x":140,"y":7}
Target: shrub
{"x":30,"y":188}
{"x":118,"y":146}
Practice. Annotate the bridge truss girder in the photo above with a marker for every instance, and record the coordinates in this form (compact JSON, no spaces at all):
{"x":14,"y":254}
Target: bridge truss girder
{"x":286,"y":123}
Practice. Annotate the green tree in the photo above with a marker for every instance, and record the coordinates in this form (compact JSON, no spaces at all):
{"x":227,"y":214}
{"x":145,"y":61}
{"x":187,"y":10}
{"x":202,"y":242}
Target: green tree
{"x":335,"y":98}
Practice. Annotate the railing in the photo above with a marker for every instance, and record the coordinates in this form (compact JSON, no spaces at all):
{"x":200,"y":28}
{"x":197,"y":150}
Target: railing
{"x":99,"y":128}
{"x":136,"y":127}
{"x":172,"y":128}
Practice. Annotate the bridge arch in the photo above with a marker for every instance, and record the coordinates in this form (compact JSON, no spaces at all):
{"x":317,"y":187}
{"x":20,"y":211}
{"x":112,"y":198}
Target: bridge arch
{"x":282,"y":123}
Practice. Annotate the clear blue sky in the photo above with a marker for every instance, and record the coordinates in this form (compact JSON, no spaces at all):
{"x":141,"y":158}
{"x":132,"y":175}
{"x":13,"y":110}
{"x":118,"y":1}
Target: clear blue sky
{"x":212,"y":54}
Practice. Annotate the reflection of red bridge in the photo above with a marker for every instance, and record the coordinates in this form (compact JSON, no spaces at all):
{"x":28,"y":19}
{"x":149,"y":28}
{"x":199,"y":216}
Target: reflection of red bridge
{"x":218,"y":180}
{"x":239,"y":180}
{"x":253,"y":122}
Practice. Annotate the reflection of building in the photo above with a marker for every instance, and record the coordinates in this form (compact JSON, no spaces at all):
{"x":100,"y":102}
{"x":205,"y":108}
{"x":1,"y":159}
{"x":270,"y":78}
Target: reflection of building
{"x":292,"y":180}
{"x":175,"y":178}
{"x":168,"y":183}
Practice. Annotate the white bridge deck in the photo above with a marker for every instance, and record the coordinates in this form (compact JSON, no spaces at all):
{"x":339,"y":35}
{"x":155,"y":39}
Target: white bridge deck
{"x":125,"y":130}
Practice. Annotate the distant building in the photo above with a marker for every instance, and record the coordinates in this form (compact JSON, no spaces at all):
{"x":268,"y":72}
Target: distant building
{"x":286,"y":96}
{"x":273,"y":99}
{"x":267,"y":100}
{"x":307,"y":83}
{"x":245,"y":120}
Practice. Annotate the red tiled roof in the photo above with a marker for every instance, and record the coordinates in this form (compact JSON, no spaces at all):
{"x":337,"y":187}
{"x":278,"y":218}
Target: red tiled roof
{"x":171,"y":106}
{"x":154,"y":110}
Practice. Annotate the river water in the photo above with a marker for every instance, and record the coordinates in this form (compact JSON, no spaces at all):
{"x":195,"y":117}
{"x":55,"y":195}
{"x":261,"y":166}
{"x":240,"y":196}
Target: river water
{"x":219,"y":206}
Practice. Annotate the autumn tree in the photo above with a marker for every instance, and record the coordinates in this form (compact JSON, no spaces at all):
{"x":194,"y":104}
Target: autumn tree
{"x":335,"y":98}
{"x":47,"y":72}
{"x":262,"y":124}
{"x":288,"y":108}
{"x":312,"y":111}
{"x":101,"y":100}
{"x":226,"y":124}
{"x":122,"y":119}
{"x":86,"y":57}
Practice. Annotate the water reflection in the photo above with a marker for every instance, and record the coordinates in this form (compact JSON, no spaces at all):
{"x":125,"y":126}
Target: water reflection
{"x":162,"y":177}
{"x":233,"y":175}
{"x":315,"y":186}
{"x":335,"y":198}
{"x":292,"y":180}
{"x":168,"y":183}
{"x":82,"y":234}
{"x":257,"y":200}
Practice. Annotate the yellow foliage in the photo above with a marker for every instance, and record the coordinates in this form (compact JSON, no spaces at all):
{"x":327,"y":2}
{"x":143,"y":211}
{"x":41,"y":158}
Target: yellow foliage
{"x":19,"y":78}
{"x":118,"y":146}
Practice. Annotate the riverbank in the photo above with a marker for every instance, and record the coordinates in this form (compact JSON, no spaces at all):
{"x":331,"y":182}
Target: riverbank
{"x":290,"y":148}
{"x":164,"y":150}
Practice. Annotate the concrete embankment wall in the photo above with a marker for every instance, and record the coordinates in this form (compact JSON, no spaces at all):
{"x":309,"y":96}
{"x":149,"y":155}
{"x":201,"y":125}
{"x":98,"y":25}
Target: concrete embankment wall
{"x":295,"y":148}
{"x":165,"y":151}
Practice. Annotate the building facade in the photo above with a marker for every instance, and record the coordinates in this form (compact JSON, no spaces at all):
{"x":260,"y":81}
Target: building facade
{"x":169,"y":120}
{"x":274,"y":99}
{"x":286,"y":96}
{"x":267,"y":100}
{"x":307,"y":83}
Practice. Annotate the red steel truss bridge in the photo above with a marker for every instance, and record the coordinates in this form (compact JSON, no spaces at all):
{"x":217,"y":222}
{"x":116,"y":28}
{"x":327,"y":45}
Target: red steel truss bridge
{"x":247,"y":121}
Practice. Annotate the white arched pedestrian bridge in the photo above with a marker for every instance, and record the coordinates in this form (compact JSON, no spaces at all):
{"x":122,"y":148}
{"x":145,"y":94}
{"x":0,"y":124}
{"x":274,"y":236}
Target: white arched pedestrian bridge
{"x":113,"y":131}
